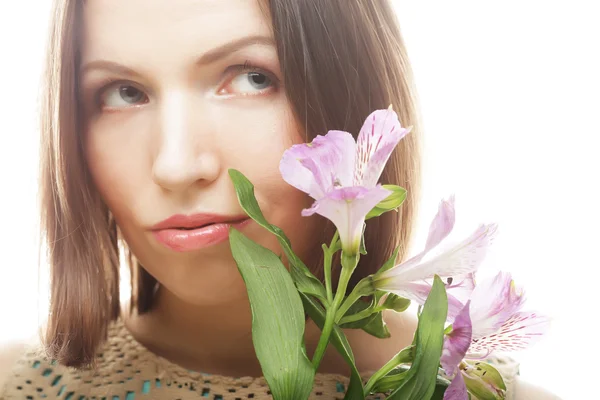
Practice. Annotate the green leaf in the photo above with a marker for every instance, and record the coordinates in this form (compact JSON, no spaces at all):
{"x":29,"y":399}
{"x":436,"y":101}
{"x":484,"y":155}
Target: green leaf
{"x":277,"y":319}
{"x":339,"y":341}
{"x":363,"y":247}
{"x":373,"y":324}
{"x":421,"y":378}
{"x":391,"y":262}
{"x":305,"y":281}
{"x":392,"y":380}
{"x":404,"y":356}
{"x":337,"y":246}
{"x":396,"y":303}
{"x":357,"y":307}
{"x":398,"y":375}
{"x":392,"y":202}
{"x":377,"y":327}
{"x":395,"y":199}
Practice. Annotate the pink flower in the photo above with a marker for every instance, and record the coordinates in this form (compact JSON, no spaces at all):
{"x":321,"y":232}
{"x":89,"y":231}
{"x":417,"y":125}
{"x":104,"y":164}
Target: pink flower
{"x":457,"y":264}
{"x":490,"y":321}
{"x":342,"y":175}
{"x":458,"y":341}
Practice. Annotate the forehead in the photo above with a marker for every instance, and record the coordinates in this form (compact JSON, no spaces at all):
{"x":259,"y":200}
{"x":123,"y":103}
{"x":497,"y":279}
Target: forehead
{"x":164,"y":29}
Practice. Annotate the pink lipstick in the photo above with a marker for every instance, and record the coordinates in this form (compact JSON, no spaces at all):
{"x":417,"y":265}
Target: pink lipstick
{"x":194,"y":232}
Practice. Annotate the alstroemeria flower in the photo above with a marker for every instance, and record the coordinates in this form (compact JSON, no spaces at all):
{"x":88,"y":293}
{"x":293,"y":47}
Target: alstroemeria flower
{"x":411,"y":279}
{"x":490,"y":321}
{"x":342,"y":175}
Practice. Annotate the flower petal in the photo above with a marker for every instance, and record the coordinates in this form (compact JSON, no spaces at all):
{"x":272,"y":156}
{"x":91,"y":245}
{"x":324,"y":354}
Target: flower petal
{"x":307,"y":212}
{"x":378,"y":137}
{"x":417,"y":292}
{"x":521,"y":331}
{"x":346,"y":145}
{"x":457,"y":342}
{"x":457,"y":389}
{"x":461,"y":259}
{"x":347,"y":209}
{"x":461,"y":286}
{"x":442,"y":223}
{"x":494,"y":301}
{"x":439,"y":229}
{"x":318,"y":167}
{"x":297,"y":175}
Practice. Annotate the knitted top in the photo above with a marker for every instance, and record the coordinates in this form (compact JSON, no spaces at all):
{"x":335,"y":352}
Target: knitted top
{"x":126,"y":370}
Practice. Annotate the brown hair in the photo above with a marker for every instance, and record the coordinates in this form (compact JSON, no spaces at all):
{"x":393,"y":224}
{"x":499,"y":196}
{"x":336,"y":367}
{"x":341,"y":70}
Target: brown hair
{"x":341,"y":59}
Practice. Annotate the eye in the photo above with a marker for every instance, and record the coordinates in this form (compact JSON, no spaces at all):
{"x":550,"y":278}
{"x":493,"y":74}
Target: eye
{"x":122,"y":95}
{"x":251,"y":81}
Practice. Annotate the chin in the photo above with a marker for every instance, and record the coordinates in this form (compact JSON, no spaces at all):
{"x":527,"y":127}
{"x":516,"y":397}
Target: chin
{"x":206,"y":282}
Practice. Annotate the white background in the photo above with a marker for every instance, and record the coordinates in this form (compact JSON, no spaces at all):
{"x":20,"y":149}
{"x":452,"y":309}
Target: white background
{"x":510,"y":97}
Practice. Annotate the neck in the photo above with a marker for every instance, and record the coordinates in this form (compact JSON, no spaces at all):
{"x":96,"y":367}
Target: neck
{"x":215,"y":339}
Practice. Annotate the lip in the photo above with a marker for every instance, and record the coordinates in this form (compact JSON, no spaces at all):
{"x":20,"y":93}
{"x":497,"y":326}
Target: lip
{"x":194,"y":232}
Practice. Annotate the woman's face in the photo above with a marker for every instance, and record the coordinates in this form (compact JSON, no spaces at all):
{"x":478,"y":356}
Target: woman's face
{"x":177,"y":92}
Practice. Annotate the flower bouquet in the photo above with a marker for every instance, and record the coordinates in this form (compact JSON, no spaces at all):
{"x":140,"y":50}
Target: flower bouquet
{"x":460,"y":323}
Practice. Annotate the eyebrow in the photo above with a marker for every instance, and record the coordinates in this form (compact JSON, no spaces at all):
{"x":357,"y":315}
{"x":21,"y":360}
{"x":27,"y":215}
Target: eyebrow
{"x":209,"y":57}
{"x":222,"y":51}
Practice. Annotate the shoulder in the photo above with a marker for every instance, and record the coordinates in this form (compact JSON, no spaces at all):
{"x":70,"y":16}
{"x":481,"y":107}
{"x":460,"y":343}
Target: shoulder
{"x":527,"y":391}
{"x":16,"y":362}
{"x":372,"y":353}
{"x":28,"y":372}
{"x":9,"y":354}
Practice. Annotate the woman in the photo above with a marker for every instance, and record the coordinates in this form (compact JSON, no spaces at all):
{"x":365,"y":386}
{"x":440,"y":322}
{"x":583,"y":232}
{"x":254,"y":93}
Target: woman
{"x":148,"y":104}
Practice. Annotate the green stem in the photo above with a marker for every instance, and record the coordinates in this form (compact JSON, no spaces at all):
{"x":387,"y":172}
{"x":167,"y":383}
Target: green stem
{"x":404,"y":356}
{"x":327,"y":268}
{"x":360,"y":315}
{"x":330,"y":314}
{"x":336,"y":236}
{"x":328,"y":252}
{"x":356,"y":294}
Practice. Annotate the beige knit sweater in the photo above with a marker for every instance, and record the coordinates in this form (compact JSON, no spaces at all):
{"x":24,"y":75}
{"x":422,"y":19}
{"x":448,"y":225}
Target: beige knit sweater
{"x":126,"y":370}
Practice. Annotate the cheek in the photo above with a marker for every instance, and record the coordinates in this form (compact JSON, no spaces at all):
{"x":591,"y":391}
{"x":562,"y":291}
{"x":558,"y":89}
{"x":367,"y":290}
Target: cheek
{"x":117,"y":170}
{"x":256,"y":148}
{"x":285,"y":204}
{"x":257,"y":155}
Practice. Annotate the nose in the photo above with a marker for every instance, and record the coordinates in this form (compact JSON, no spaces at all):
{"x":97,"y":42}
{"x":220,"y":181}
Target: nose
{"x":186,"y":154}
